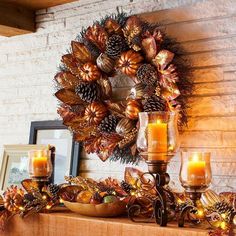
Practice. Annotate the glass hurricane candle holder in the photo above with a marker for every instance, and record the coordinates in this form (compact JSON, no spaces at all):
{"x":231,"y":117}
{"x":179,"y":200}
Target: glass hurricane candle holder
{"x":195,"y":171}
{"x":40,"y":165}
{"x":158,"y":136}
{"x":195,"y":177}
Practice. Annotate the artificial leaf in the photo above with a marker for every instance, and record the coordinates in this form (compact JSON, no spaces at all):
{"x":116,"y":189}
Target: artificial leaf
{"x":163,"y":58}
{"x":112,"y":27}
{"x":97,"y":35}
{"x":132,"y":31}
{"x":69,"y":193}
{"x":29,"y":185}
{"x":92,"y":144}
{"x":71,"y":63}
{"x":66,"y":80}
{"x":106,"y":87}
{"x":65,"y":113}
{"x":116,"y":108}
{"x":4,"y":217}
{"x":128,"y":139}
{"x":149,"y":47}
{"x":68,"y":97}
{"x":81,"y":53}
{"x":132,"y":175}
{"x":107,"y":145}
{"x":83,"y":134}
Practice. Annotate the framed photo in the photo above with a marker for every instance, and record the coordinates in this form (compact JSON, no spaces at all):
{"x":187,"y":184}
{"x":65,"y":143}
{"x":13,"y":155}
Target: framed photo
{"x":67,"y":151}
{"x":15,"y":164}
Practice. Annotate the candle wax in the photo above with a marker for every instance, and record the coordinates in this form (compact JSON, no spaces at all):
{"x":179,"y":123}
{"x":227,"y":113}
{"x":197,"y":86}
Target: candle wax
{"x":157,"y":140}
{"x":196,"y":172}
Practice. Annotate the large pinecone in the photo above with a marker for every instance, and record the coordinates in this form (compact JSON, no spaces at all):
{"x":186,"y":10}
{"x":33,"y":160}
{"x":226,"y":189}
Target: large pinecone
{"x":223,"y":207}
{"x":88,"y":92}
{"x":53,"y":189}
{"x":154,"y":103}
{"x":115,"y":45}
{"x":108,"y":124}
{"x":147,"y":74}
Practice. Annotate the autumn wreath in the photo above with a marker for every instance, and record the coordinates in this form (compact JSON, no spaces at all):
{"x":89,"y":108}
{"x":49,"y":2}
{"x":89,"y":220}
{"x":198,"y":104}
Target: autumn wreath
{"x":119,"y":46}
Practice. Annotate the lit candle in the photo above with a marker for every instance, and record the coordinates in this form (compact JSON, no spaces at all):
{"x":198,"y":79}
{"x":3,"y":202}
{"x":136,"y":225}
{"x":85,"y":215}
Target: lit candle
{"x":40,"y":165}
{"x":157,"y":140}
{"x":196,"y":170}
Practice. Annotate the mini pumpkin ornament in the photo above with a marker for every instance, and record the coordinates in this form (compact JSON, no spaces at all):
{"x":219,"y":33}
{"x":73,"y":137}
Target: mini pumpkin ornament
{"x":89,"y":72}
{"x":95,"y":112}
{"x":132,"y":109}
{"x":129,"y":62}
{"x":13,"y":199}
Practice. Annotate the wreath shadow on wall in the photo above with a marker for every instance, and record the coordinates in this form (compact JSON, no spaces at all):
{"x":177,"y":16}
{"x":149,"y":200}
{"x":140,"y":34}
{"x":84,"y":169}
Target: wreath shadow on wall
{"x":143,"y":55}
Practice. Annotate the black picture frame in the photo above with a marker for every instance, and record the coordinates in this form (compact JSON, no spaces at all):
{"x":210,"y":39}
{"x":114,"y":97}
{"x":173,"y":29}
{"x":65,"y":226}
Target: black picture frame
{"x":55,"y":125}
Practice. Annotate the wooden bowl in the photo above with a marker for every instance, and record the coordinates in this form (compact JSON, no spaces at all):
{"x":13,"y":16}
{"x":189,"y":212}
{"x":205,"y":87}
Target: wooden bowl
{"x":97,"y":210}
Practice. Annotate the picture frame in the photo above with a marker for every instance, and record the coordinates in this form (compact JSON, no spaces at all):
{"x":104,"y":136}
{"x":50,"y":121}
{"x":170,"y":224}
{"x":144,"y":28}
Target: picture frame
{"x":55,"y":133}
{"x":14,"y":166}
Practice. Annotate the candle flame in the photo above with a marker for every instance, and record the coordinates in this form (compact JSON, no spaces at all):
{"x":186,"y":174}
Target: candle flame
{"x":195,"y":157}
{"x":158,"y":121}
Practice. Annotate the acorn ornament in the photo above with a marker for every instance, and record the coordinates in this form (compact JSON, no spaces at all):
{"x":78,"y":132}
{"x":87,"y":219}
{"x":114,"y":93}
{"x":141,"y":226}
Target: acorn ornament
{"x":105,"y":63}
{"x":124,"y":126}
{"x":95,"y":112}
{"x":133,"y":108}
{"x":89,"y":72}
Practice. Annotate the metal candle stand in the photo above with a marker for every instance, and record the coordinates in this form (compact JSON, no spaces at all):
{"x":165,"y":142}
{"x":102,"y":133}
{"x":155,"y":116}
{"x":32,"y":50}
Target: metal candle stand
{"x":194,"y":195}
{"x":157,"y":170}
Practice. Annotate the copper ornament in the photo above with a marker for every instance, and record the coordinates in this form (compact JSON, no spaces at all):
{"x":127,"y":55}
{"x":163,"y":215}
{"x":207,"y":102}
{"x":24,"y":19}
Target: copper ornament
{"x":133,"y":108}
{"x":129,"y":62}
{"x":95,"y":112}
{"x":89,"y":72}
{"x":105,"y":63}
{"x":124,"y":126}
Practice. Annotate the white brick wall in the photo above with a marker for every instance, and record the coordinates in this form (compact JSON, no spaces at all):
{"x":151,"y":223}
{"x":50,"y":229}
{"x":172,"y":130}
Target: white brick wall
{"x":206,"y":28}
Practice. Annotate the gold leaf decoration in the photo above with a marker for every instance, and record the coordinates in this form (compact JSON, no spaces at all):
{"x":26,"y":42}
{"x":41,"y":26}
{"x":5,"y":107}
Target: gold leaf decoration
{"x":106,"y":87}
{"x":112,"y":27}
{"x":97,"y":35}
{"x":68,"y":97}
{"x":66,"y":80}
{"x":81,"y":53}
{"x":71,"y":63}
{"x":163,"y":58}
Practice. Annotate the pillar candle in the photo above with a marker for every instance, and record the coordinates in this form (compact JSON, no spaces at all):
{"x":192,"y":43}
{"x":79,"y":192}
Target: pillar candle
{"x":40,"y":165}
{"x":157,"y":140}
{"x":196,"y":171}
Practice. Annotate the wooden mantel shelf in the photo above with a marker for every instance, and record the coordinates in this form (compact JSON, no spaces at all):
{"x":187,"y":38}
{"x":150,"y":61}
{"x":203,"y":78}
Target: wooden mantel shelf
{"x":69,"y":224}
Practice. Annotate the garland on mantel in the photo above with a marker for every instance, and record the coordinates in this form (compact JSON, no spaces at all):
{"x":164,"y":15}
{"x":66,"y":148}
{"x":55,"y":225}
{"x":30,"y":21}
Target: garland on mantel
{"x":136,"y":50}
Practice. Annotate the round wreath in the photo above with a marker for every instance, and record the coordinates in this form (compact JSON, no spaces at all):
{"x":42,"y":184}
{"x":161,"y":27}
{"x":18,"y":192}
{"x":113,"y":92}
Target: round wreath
{"x":142,"y":54}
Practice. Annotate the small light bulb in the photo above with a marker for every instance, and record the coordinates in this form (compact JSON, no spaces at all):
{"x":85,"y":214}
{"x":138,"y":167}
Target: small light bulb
{"x":48,"y":207}
{"x":61,"y":200}
{"x":223,"y":215}
{"x":21,"y":208}
{"x":44,"y":197}
{"x":132,"y":193}
{"x":200,"y":212}
{"x":223,"y":225}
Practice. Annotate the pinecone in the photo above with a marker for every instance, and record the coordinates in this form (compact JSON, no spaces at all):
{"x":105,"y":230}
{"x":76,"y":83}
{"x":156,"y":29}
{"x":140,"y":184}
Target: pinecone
{"x":126,"y":187}
{"x":53,"y":189}
{"x":115,"y":45}
{"x":88,"y":92}
{"x":223,"y":207}
{"x":147,"y":74}
{"x":108,"y":124}
{"x":154,"y":103}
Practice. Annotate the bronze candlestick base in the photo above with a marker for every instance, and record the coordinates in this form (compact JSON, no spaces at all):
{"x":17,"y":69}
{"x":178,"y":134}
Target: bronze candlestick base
{"x":194,"y":194}
{"x":157,"y":171}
